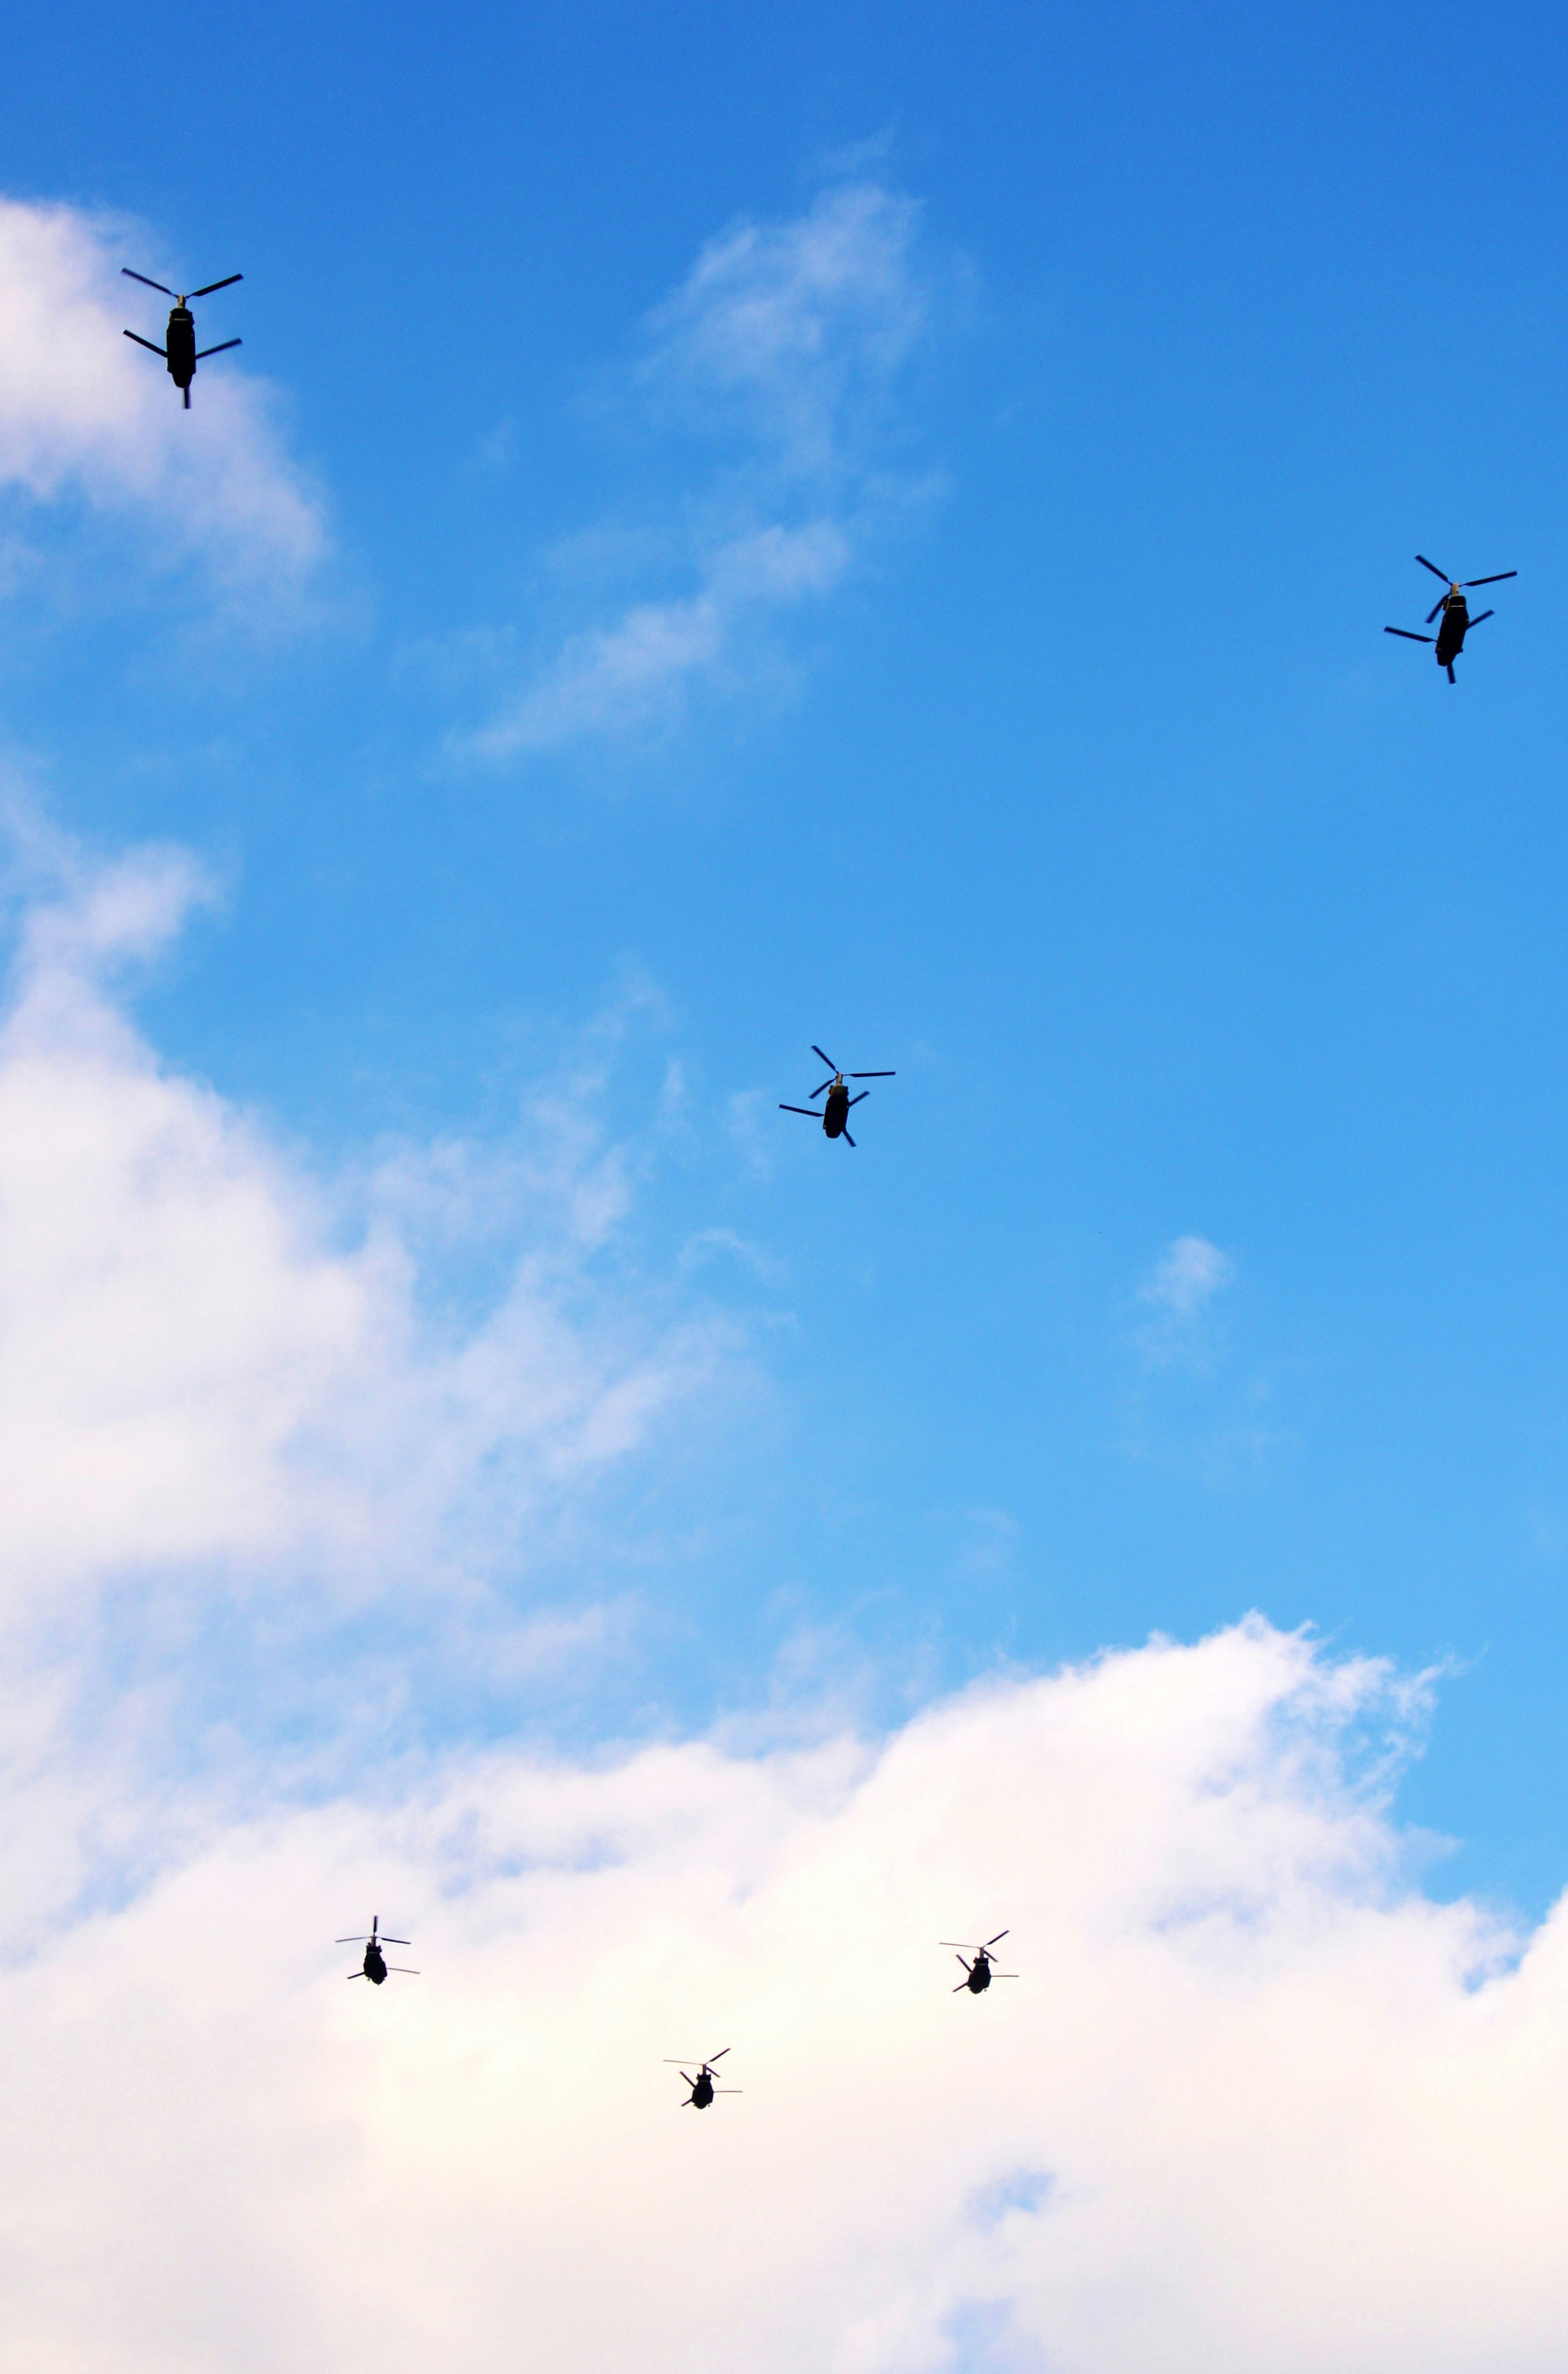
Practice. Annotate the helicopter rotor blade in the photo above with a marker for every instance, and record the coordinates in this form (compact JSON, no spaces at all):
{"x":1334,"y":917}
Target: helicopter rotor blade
{"x":145,"y":282}
{"x":960,"y":1987}
{"x":1434,"y":568}
{"x":1492,"y":581}
{"x":713,"y":2057}
{"x":994,"y":1941}
{"x":402,"y":1972}
{"x":356,"y":1974}
{"x":1406,"y":634}
{"x":148,"y":343}
{"x":351,"y":1941}
{"x":827,"y":1059}
{"x":213,"y":285}
{"x":395,"y":1940}
{"x":859,"y":1099}
{"x":1434,"y":609}
{"x":205,"y":351}
{"x":816,"y":1116}
{"x":1485,"y":614}
{"x":848,"y":1139}
{"x":873,"y":1075}
{"x":827,"y":1084}
{"x":957,"y":1940}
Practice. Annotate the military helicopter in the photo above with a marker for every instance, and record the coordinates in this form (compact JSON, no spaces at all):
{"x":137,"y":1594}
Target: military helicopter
{"x":1456,"y":619}
{"x":979,"y":1973}
{"x":835,"y":1114}
{"x":180,"y":352}
{"x":376,"y":1965}
{"x":702,"y":2085}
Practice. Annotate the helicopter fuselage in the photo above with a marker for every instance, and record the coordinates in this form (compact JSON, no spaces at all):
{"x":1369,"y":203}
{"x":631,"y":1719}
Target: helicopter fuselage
{"x":375,"y":1965}
{"x":702,"y":2092}
{"x":979,"y":1977}
{"x":835,"y":1112}
{"x":1453,"y":630}
{"x":180,"y":347}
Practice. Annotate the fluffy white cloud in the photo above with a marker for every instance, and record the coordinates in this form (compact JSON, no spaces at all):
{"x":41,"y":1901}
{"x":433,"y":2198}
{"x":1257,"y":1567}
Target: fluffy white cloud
{"x":206,"y":1355}
{"x":786,"y":340}
{"x":1253,"y":2099}
{"x":84,"y":412}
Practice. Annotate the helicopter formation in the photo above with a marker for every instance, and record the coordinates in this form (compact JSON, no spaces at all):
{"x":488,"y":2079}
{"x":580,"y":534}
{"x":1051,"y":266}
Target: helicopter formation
{"x":977,"y":1976}
{"x":180,"y":355}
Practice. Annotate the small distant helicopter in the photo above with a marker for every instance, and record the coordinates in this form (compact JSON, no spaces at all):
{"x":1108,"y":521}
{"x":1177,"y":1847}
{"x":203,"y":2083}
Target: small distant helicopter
{"x":835,"y":1114}
{"x":979,"y":1973}
{"x":376,"y":1965}
{"x":702,"y":2085}
{"x":180,"y":352}
{"x":1456,"y":618}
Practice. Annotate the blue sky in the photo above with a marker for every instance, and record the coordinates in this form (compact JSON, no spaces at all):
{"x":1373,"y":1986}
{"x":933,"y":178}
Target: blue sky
{"x":862,"y":525}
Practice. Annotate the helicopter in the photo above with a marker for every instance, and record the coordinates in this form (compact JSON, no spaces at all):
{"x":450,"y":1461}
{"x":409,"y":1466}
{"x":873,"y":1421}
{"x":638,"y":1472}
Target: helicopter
{"x":702,"y":2085}
{"x":835,"y":1114}
{"x":376,"y":1965}
{"x":978,"y":1973}
{"x":1456,"y":619}
{"x":180,"y":351}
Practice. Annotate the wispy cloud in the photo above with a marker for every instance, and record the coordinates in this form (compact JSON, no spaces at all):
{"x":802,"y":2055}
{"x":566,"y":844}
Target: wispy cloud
{"x":85,"y":414}
{"x":781,"y":354}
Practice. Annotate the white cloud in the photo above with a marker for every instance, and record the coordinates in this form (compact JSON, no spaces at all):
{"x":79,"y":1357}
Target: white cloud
{"x":207,"y":1355}
{"x":1254,"y":2100}
{"x":787,"y":340}
{"x":1187,"y":1276}
{"x":84,"y":412}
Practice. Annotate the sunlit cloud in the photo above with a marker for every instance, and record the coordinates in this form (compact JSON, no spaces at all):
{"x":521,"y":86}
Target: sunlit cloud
{"x":1254,"y":2099}
{"x":85,"y":415}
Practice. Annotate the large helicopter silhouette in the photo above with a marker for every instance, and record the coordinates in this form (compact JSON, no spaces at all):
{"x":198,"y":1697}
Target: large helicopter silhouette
{"x":179,"y":349}
{"x":1456,"y":618}
{"x":978,"y":1973}
{"x":702,"y":2085}
{"x":375,"y":1965}
{"x":835,"y":1114}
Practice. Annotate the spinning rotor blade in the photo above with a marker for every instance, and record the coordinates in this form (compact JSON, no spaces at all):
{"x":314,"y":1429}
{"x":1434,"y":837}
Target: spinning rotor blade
{"x":219,"y":350}
{"x":351,"y":1941}
{"x":955,"y":1941}
{"x":1492,"y":581}
{"x":145,"y":281}
{"x":1406,"y":634}
{"x":957,"y":1990}
{"x":354,"y":1974}
{"x":873,"y":1075}
{"x":1485,"y":614}
{"x":397,"y":1941}
{"x":848,"y":1139}
{"x":827,"y":1059}
{"x":1434,"y":609}
{"x":996,"y":1940}
{"x":859,"y":1099}
{"x":1434,"y":568}
{"x":217,"y":284}
{"x":827,"y":1084}
{"x":816,"y":1116}
{"x":715,"y":2057}
{"x":148,"y":343}
{"x":400,"y":1972}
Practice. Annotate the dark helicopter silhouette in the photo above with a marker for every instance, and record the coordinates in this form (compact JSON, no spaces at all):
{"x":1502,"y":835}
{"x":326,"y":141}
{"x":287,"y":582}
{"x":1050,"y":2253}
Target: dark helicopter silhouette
{"x":978,"y":1973}
{"x":180,"y":351}
{"x":1456,"y":618}
{"x":376,"y":1965}
{"x":835,"y":1114}
{"x":702,"y":2085}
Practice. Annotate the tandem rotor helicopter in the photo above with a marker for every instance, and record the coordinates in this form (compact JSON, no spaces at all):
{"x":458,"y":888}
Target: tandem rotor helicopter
{"x":376,"y":1966}
{"x":1456,"y":619}
{"x":835,"y":1114}
{"x":978,"y":1973}
{"x":179,"y":351}
{"x":702,"y":2085}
